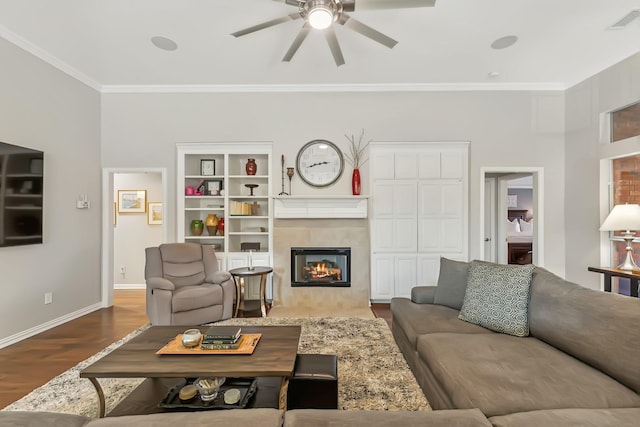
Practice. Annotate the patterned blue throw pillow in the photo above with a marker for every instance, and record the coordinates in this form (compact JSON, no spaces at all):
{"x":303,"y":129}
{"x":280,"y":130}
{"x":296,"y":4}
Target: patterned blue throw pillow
{"x":497,"y":297}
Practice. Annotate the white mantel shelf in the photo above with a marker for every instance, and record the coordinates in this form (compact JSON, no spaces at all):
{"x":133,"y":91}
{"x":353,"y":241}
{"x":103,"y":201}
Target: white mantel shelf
{"x":288,"y":207}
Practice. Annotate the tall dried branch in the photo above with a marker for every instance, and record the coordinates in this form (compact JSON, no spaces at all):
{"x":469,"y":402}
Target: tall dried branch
{"x":355,"y":155}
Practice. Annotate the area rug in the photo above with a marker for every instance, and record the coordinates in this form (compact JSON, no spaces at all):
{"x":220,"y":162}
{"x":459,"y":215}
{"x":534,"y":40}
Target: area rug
{"x":372,"y":373}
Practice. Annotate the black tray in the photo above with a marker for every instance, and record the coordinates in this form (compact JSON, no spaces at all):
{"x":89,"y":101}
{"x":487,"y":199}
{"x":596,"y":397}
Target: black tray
{"x":247,"y":387}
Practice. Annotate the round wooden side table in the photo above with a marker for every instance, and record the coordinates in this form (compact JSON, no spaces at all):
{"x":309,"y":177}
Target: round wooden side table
{"x":239,"y":275}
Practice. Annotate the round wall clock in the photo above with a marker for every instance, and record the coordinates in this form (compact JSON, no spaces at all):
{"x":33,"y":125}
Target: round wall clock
{"x":320,"y":163}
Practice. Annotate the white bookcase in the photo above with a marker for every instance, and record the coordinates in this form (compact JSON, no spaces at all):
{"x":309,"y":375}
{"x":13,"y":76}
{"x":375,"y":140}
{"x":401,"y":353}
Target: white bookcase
{"x":253,"y":227}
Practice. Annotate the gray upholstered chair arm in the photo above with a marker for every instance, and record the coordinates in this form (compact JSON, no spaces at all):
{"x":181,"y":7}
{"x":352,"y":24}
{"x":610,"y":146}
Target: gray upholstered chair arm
{"x":160,"y":283}
{"x":218,"y":277}
{"x":423,"y":294}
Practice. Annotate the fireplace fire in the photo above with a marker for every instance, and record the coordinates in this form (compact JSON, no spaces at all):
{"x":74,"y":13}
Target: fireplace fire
{"x":320,"y":266}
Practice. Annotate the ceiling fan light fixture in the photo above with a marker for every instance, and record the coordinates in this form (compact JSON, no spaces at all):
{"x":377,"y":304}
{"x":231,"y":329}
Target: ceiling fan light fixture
{"x":320,"y":16}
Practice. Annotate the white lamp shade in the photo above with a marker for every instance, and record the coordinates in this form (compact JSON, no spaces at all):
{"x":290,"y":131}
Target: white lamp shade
{"x":622,"y":217}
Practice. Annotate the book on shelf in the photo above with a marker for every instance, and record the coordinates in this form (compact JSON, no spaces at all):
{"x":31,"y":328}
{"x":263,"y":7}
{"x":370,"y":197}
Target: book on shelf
{"x":222,"y":333}
{"x":226,"y":346}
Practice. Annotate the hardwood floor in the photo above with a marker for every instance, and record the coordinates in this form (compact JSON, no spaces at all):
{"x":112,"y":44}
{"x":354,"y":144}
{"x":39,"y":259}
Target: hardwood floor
{"x":34,"y":361}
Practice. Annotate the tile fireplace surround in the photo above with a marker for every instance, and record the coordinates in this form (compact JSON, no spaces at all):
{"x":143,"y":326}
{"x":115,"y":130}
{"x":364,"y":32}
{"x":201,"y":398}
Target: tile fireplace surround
{"x":353,"y":233}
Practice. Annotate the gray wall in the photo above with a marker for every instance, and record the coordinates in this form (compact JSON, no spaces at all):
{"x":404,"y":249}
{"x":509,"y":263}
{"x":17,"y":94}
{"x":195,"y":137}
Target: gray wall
{"x":613,"y":88}
{"x":45,"y":109}
{"x":504,"y":128}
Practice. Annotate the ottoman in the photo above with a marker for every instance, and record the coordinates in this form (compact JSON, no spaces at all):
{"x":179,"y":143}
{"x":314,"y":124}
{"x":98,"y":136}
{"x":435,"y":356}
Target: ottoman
{"x":314,"y":384}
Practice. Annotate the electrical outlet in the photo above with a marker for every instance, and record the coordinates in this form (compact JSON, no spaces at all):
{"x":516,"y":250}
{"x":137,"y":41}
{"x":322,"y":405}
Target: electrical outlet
{"x":123,"y":270}
{"x":48,"y":297}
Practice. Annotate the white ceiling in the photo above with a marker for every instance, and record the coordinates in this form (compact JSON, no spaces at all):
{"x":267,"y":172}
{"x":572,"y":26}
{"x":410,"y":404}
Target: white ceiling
{"x":106,"y":43}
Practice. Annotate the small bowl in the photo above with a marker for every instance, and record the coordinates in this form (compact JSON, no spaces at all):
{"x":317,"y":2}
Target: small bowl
{"x":208,"y":387}
{"x":191,"y":337}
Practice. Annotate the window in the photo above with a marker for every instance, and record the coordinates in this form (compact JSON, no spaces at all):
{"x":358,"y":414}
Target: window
{"x":626,"y":189}
{"x":625,"y":123}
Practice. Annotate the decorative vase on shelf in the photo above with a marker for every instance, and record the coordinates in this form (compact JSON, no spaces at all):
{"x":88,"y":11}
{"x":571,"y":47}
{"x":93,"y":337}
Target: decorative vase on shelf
{"x":221,"y":227}
{"x":251,"y":167}
{"x":197,"y":226}
{"x":355,"y":182}
{"x":212,"y":224}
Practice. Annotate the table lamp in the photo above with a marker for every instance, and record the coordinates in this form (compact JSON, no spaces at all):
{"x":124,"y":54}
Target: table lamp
{"x":624,"y":218}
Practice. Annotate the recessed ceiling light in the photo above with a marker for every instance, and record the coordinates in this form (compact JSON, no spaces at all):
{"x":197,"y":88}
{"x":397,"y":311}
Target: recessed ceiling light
{"x":504,"y":42}
{"x":164,"y":43}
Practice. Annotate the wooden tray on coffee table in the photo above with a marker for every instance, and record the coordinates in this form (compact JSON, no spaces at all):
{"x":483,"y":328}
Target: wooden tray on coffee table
{"x":248,"y":343}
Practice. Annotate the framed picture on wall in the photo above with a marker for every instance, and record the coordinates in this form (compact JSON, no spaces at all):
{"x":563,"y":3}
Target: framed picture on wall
{"x":154,"y":213}
{"x":132,"y":201}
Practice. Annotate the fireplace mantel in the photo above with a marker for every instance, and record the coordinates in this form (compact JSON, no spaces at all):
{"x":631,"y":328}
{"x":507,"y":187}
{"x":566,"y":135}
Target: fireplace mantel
{"x":286,"y":207}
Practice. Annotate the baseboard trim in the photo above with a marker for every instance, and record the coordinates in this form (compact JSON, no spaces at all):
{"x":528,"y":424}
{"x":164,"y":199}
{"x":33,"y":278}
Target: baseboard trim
{"x":12,"y":339}
{"x":129,"y":286}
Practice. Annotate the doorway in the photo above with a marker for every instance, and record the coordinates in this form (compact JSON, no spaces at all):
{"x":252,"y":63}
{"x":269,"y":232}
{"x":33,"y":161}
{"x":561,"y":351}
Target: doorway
{"x":110,"y":218}
{"x":495,"y":213}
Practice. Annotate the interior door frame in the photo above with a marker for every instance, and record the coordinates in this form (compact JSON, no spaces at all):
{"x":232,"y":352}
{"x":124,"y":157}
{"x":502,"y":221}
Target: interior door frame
{"x":106,"y":275}
{"x":538,"y":206}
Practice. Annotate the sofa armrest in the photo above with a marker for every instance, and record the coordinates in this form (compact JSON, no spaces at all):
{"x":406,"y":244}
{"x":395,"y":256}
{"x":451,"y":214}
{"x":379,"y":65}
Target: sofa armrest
{"x":160,"y":283}
{"x":423,"y":294}
{"x":218,"y":277}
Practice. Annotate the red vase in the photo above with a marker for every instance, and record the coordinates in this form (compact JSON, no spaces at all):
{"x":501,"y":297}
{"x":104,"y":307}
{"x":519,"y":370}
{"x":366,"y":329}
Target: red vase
{"x":251,"y":167}
{"x":355,"y":182}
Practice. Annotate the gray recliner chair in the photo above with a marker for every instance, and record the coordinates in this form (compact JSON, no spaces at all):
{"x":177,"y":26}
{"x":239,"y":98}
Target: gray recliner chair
{"x":185,"y":287}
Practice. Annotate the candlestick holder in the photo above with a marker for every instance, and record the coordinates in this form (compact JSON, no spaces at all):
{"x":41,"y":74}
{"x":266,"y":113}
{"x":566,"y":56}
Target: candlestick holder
{"x":251,"y":187}
{"x":282,"y":193}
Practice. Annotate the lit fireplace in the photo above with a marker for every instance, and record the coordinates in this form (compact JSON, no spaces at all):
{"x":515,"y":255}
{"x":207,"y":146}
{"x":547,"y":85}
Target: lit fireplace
{"x":320,"y":266}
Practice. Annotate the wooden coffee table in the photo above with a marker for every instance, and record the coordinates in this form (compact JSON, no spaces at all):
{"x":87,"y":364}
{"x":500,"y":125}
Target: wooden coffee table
{"x":274,"y":356}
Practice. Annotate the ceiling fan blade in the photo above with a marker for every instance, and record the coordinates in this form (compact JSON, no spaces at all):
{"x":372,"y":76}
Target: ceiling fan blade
{"x":302,"y":35}
{"x":291,"y":2}
{"x":267,"y":24}
{"x":357,"y":5}
{"x":330,"y":34}
{"x":366,"y":31}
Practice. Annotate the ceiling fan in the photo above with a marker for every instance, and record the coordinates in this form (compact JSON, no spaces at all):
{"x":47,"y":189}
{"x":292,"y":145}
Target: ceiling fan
{"x":322,"y":14}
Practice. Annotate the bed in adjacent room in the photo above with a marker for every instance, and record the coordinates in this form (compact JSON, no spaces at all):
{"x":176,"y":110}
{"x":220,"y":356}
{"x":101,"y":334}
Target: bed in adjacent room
{"x":519,"y":237}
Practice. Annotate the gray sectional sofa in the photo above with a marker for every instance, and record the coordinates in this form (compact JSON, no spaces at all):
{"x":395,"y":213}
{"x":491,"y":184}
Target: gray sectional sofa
{"x":577,"y":366}
{"x":580,"y":362}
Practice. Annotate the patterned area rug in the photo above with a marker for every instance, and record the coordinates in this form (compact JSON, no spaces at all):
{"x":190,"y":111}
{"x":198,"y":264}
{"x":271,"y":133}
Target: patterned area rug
{"x":372,"y":373}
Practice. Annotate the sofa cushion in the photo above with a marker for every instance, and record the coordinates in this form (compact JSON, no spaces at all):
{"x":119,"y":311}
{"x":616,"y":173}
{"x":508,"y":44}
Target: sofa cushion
{"x":38,"y":419}
{"x":597,"y":327}
{"x":338,"y":418}
{"x":497,"y":297}
{"x":452,"y":283}
{"x":231,"y":417}
{"x":194,"y":297}
{"x":501,"y":374}
{"x":417,"y":319}
{"x":571,"y":418}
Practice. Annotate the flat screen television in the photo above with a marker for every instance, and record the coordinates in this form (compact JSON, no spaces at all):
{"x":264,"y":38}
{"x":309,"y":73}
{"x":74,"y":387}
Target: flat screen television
{"x":21,"y":195}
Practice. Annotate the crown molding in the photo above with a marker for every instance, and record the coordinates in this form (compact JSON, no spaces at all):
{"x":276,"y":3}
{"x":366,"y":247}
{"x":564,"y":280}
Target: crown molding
{"x":271,"y":88}
{"x":357,"y":87}
{"x":48,"y":58}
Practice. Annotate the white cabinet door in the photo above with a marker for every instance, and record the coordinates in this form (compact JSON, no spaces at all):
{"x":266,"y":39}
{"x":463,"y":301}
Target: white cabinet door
{"x":440,"y":217}
{"x":394,"y":212}
{"x":405,"y":277}
{"x":392,"y":276}
{"x":406,"y":165}
{"x":429,"y":164}
{"x":428,"y":270}
{"x":452,"y":164}
{"x":382,"y":277}
{"x":382,"y":164}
